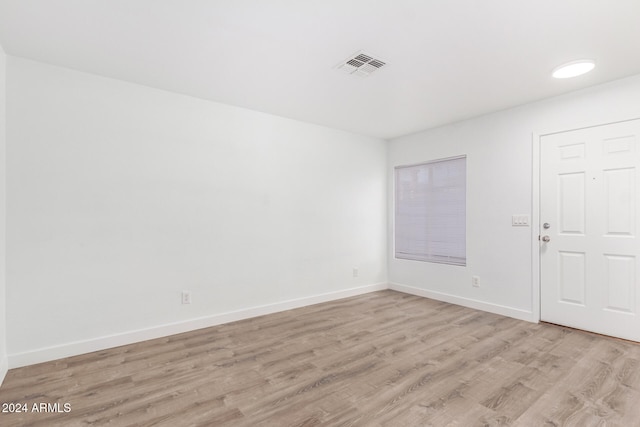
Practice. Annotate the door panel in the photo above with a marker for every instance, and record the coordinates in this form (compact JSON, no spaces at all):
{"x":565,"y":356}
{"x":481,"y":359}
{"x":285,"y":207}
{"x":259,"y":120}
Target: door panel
{"x":589,"y":188}
{"x":571,"y":208}
{"x":571,"y":277}
{"x":620,"y":279}
{"x":619,"y":191}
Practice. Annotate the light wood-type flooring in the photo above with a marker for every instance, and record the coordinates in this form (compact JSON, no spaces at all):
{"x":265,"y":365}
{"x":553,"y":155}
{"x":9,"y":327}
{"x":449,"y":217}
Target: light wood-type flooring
{"x":380,"y":359}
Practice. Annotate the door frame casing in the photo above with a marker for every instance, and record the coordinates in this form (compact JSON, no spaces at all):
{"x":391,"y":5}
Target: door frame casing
{"x":536,"y":139}
{"x":535,"y":226}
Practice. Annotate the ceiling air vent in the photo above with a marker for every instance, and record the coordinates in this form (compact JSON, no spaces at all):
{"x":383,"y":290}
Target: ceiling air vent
{"x":361,"y":64}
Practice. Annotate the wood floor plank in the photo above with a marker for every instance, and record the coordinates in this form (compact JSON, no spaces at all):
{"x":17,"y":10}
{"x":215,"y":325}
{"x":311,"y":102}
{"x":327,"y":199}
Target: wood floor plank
{"x":380,"y":359}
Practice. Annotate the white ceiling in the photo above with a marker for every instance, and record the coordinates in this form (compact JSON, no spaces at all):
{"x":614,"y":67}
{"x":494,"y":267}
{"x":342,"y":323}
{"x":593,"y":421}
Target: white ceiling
{"x":447,"y":59}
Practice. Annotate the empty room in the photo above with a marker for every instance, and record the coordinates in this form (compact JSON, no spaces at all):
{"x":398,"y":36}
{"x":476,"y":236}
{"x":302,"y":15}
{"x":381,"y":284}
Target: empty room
{"x":304,"y":213}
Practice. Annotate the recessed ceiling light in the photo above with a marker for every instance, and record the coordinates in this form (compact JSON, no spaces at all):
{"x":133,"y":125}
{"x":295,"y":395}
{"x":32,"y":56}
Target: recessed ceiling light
{"x":573,"y":69}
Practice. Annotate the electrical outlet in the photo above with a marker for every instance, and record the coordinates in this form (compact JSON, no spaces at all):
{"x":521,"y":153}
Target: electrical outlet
{"x":355,"y":271}
{"x":186,"y":297}
{"x":475,"y":281}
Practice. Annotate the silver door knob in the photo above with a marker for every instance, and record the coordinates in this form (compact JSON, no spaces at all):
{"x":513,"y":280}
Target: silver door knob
{"x":546,"y":238}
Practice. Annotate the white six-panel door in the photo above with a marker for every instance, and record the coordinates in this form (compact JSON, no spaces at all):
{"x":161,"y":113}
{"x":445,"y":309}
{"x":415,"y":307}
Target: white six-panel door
{"x":589,"y":191}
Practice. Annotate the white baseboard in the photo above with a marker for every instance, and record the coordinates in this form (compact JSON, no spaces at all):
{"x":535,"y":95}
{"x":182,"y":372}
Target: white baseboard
{"x":101,"y":343}
{"x":466,"y":302}
{"x":4,"y":367}
{"x":96,"y":344}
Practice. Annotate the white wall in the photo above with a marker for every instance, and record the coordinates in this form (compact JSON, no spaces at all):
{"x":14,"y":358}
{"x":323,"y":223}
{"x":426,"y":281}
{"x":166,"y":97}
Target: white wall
{"x":3,"y":216}
{"x":121,"y":196}
{"x":499,"y":184}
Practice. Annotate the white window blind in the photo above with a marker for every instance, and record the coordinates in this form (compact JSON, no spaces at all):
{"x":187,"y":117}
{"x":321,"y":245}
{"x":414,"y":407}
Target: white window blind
{"x":430,"y":211}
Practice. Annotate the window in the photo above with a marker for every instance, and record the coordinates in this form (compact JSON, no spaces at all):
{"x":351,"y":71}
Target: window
{"x":430,"y":216}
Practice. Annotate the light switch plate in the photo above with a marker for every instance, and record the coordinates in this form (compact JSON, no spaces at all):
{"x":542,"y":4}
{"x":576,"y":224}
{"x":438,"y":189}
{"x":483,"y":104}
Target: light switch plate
{"x":520,"y":220}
